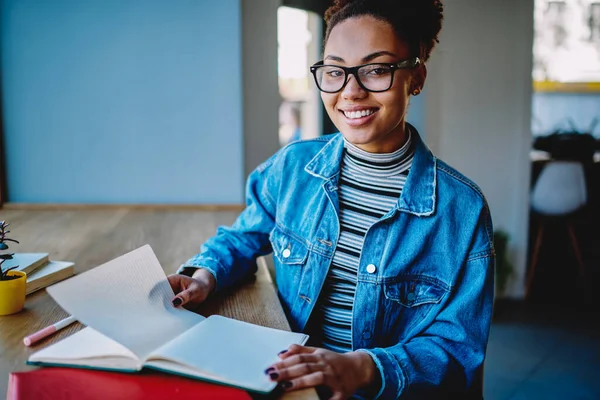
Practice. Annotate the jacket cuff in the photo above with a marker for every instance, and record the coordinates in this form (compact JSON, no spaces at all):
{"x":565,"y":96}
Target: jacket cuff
{"x":187,"y":270}
{"x":195,"y":263}
{"x":392,"y":376}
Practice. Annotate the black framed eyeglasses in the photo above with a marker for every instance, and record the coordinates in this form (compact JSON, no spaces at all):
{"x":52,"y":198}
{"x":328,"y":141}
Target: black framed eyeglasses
{"x":376,"y":77}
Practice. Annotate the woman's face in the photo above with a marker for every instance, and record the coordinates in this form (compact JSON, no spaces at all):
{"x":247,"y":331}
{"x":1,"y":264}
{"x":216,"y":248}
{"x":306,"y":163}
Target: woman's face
{"x":364,"y":40}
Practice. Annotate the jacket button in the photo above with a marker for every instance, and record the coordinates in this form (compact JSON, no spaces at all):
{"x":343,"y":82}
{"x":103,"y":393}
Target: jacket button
{"x":410,"y":296}
{"x":286,"y":253}
{"x":371,"y":268}
{"x":367,"y":335}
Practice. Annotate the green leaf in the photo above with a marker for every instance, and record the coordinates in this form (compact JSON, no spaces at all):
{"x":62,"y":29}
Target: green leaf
{"x":10,"y":269}
{"x":4,"y":274}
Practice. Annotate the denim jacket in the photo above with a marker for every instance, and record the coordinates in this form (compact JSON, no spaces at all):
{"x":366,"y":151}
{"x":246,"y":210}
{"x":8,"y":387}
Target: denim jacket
{"x":424,"y":312}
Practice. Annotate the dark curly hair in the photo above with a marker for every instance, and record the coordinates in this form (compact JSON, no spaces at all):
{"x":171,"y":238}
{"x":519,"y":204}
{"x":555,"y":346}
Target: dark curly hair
{"x":418,"y":22}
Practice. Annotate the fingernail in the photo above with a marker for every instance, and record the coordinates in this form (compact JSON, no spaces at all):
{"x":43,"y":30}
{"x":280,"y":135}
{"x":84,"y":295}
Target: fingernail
{"x":274,"y":375}
{"x":286,"y":384}
{"x":269,"y":370}
{"x":177,"y":301}
{"x":282,"y":352}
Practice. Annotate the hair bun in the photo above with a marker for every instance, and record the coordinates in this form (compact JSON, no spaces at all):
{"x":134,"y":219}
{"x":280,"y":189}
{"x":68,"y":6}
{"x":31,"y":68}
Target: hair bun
{"x":340,"y":4}
{"x":335,"y":7}
{"x":418,"y":22}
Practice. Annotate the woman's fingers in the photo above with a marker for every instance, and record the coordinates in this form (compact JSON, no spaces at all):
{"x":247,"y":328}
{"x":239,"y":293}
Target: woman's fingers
{"x":305,"y":381}
{"x":296,"y":349}
{"x":295,"y":359}
{"x":296,"y":370}
{"x":304,"y":367}
{"x":188,"y":291}
{"x":175,"y":282}
{"x":183,"y":297}
{"x":179,"y":285}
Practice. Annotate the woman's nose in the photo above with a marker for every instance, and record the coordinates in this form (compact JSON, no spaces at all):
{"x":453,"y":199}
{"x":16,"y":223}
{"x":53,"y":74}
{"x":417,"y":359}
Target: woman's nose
{"x":352,"y":90}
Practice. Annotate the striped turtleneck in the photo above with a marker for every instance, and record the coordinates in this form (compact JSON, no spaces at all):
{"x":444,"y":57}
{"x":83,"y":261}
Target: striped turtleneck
{"x":370,"y":186}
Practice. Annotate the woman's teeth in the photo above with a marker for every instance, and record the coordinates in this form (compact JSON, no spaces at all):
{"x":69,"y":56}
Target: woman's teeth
{"x":358,"y":114}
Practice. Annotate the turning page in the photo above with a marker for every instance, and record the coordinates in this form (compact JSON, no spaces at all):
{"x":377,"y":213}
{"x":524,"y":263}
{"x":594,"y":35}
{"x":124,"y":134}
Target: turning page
{"x":127,"y":299}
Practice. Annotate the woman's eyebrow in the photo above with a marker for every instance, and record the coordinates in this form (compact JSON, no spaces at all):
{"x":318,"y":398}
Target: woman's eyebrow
{"x":373,"y":56}
{"x":368,"y":58}
{"x":334,"y":58}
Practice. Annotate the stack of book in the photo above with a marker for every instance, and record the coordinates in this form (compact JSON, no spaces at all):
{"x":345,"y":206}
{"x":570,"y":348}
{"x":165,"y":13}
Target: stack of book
{"x":40,"y":270}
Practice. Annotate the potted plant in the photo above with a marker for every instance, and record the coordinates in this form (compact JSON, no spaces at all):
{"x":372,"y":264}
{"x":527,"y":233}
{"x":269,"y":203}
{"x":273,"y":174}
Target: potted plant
{"x":12,"y":283}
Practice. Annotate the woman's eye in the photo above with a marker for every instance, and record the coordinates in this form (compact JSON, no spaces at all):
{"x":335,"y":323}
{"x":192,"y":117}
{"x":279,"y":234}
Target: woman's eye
{"x":335,"y":73}
{"x":378,"y":71}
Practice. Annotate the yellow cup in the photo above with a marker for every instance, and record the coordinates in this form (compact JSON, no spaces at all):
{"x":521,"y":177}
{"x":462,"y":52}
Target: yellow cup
{"x":12,"y":293}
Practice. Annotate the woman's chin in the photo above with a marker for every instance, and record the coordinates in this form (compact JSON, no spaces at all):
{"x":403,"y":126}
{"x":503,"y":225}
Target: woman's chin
{"x":357,"y":138}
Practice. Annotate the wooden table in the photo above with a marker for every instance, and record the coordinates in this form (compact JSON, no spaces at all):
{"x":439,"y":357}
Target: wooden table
{"x":90,"y":237}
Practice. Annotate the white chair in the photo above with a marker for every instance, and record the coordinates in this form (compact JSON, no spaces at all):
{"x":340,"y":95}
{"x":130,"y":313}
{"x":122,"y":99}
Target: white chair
{"x":559,"y":192}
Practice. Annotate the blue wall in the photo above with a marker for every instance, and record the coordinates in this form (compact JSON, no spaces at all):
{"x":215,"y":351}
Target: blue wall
{"x":123,"y":101}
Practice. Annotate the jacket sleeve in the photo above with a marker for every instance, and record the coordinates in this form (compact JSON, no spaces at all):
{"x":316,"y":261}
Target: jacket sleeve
{"x":447,"y":356}
{"x":231,"y":254}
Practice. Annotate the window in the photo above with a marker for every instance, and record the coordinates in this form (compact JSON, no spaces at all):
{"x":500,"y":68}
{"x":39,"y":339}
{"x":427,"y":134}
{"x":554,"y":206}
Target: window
{"x":555,"y":17}
{"x":299,"y":46}
{"x":566,"y":45}
{"x":594,"y":22}
{"x":566,"y":66}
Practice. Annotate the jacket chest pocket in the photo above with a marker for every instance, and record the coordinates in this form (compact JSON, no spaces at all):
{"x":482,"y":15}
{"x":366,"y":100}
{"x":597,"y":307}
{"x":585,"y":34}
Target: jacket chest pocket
{"x":290,"y":255}
{"x":288,"y":249}
{"x":408,"y":300}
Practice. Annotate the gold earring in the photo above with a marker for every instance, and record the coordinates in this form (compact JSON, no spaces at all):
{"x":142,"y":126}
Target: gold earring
{"x":416,"y":92}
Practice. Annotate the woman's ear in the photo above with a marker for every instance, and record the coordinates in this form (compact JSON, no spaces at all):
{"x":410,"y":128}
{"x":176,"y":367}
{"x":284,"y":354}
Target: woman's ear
{"x":419,"y":77}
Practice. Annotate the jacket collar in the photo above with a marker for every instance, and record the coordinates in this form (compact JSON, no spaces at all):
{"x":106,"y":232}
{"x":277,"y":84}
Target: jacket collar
{"x":419,"y":193}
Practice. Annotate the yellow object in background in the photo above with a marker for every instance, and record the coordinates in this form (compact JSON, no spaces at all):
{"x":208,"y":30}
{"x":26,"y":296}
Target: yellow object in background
{"x":566,"y":87}
{"x":12,"y":293}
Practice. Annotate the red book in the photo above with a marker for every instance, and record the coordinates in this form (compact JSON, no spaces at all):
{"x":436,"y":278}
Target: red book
{"x":83,"y":384}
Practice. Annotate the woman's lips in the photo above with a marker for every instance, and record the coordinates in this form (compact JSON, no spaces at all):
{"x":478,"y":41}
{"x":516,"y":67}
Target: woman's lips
{"x":350,"y":117}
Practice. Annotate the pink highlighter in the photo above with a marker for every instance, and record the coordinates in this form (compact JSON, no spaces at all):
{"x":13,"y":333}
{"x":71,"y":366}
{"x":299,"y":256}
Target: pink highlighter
{"x":39,"y":335}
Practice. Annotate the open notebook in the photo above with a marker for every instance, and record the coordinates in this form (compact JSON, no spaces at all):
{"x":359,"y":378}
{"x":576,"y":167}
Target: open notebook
{"x":131,"y":324}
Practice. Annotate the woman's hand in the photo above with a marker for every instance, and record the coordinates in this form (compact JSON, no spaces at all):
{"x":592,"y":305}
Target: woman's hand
{"x":302,"y":367}
{"x":191,"y":291}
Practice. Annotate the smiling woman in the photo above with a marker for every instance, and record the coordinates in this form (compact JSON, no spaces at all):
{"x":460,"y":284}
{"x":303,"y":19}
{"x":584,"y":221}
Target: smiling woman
{"x":383,"y":253}
{"x":365,"y":102}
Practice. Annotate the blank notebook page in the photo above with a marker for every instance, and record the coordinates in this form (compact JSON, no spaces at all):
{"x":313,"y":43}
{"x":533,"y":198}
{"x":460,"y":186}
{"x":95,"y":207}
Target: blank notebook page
{"x":236,"y":351}
{"x":85,"y":344}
